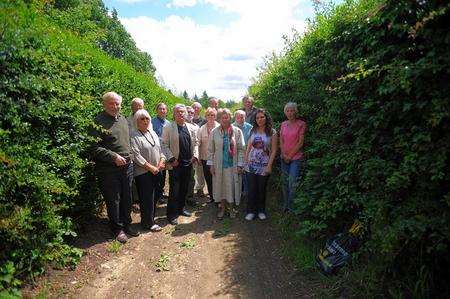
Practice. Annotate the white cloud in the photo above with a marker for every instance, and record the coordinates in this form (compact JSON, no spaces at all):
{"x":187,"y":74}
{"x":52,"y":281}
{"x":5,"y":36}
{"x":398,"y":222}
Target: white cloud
{"x":193,"y":57}
{"x":182,"y":3}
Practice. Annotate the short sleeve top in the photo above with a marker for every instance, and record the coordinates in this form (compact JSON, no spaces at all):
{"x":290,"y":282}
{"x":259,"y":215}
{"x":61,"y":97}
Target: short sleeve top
{"x":290,"y":133}
{"x":259,"y":155}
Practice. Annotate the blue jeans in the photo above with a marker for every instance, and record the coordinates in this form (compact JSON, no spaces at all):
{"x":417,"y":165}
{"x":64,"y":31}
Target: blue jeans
{"x":291,"y":176}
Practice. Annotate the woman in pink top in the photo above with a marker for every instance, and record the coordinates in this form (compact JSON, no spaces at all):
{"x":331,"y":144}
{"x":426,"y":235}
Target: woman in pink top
{"x":292,"y":134}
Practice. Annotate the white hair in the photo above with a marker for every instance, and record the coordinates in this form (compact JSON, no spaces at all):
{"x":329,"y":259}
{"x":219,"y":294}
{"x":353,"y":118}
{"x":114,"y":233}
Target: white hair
{"x":197,"y":104}
{"x":142,"y":113}
{"x":110,"y":95}
{"x":239,"y":112}
{"x":291,"y":105}
{"x":178,"y":106}
{"x":137,"y":101}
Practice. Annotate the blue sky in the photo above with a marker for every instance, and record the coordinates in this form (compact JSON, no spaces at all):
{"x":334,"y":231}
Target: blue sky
{"x":202,"y":13}
{"x":212,"y":45}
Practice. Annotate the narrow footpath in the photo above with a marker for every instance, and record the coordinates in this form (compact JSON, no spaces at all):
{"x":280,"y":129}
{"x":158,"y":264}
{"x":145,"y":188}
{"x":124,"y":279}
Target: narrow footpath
{"x":202,"y":257}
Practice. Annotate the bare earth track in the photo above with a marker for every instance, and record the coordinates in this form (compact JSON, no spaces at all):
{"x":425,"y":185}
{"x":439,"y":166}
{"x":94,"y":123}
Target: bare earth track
{"x":202,"y":257}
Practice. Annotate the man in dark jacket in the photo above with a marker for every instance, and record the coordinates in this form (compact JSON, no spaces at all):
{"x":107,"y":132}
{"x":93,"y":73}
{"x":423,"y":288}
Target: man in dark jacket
{"x":250,"y":110}
{"x":112,"y":156}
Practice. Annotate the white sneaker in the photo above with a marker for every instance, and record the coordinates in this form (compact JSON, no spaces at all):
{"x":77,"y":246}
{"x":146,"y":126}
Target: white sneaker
{"x":250,"y":216}
{"x":262,"y":216}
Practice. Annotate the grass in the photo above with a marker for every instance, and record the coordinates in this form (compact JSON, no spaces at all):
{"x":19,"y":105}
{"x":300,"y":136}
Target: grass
{"x":189,"y":243}
{"x":114,"y":247}
{"x":352,"y":281}
{"x":224,"y":230}
{"x":163,"y":263}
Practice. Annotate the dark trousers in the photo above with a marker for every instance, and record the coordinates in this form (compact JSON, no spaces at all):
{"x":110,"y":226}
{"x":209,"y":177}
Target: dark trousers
{"x":208,"y":179}
{"x":160,"y":183}
{"x":146,"y":184}
{"x":178,"y":187}
{"x":115,"y":187}
{"x":256,"y":193}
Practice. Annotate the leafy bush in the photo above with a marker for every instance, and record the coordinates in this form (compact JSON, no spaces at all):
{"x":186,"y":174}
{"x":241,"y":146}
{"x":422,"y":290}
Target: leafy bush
{"x":372,"y":79}
{"x":51,"y":81}
{"x":90,"y":19}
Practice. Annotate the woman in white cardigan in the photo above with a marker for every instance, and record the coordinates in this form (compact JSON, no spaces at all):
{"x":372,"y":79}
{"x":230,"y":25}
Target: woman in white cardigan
{"x":226,"y":158}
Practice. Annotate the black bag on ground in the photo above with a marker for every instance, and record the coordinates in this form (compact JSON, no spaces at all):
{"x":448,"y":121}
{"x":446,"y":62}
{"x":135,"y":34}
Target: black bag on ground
{"x":338,"y":250}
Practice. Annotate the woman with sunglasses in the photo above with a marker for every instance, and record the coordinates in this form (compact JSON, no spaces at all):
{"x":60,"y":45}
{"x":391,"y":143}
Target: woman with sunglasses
{"x":148,"y":162}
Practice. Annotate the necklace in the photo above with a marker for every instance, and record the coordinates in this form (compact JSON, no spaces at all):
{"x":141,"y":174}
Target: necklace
{"x":152,"y":144}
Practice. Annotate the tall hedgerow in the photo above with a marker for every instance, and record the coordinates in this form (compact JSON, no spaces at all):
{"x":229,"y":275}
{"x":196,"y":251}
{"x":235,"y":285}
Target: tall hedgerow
{"x":51,"y":81}
{"x":371,"y":78}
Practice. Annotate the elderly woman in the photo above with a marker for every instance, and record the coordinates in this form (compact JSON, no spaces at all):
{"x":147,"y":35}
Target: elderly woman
{"x":225,"y":155}
{"x":261,"y":150}
{"x":203,"y":138}
{"x":239,"y":121}
{"x":292,"y":134}
{"x":148,"y":162}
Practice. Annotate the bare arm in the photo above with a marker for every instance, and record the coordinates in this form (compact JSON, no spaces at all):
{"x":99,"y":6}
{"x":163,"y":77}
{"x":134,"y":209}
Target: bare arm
{"x":274,"y":141}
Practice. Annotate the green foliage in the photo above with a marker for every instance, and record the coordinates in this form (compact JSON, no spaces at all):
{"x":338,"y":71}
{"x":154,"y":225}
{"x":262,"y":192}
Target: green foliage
{"x":51,"y":81}
{"x":371,"y":78}
{"x":188,"y":243}
{"x":114,"y":247}
{"x":90,"y":19}
{"x":163,"y":263}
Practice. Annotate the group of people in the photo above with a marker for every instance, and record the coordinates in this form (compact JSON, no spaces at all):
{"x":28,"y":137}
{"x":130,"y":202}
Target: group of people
{"x":233,"y":159}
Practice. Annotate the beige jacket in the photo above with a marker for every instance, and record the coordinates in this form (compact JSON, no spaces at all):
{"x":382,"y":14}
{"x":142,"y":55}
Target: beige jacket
{"x":203,"y":140}
{"x":170,"y":141}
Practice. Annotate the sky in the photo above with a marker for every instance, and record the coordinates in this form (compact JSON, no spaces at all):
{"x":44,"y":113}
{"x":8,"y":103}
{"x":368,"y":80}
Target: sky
{"x":212,"y":45}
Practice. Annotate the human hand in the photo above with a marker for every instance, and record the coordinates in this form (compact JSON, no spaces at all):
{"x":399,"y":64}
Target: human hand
{"x":239,"y":170}
{"x":154,"y":169}
{"x":267,"y":170}
{"x":212,"y":170}
{"x":175,"y":163}
{"x":161,"y":165}
{"x":119,"y":160}
{"x":194,"y":160}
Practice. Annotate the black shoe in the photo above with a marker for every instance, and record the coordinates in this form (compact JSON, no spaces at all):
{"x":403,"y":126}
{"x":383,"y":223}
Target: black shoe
{"x":185,"y":214}
{"x":190,"y":202}
{"x":173,"y":221}
{"x":131,"y":231}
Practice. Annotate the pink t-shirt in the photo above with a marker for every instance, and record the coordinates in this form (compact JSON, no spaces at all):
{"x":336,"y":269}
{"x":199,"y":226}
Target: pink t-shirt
{"x":291,"y":133}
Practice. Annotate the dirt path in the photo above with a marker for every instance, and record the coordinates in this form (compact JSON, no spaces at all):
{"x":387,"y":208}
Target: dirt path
{"x":201,"y":257}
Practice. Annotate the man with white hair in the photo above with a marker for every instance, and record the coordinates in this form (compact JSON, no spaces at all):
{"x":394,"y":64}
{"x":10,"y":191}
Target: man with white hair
{"x":249,"y":109}
{"x":180,"y":146}
{"x":196,"y":183}
{"x":136,"y":104}
{"x":214,"y":103}
{"x":158,"y":123}
{"x":112,"y":156}
{"x":198,"y":119}
{"x":239,"y":121}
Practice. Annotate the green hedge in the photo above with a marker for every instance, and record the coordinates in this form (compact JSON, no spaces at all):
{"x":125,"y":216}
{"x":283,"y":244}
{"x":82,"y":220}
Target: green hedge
{"x":51,"y":82}
{"x":372,"y":80}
